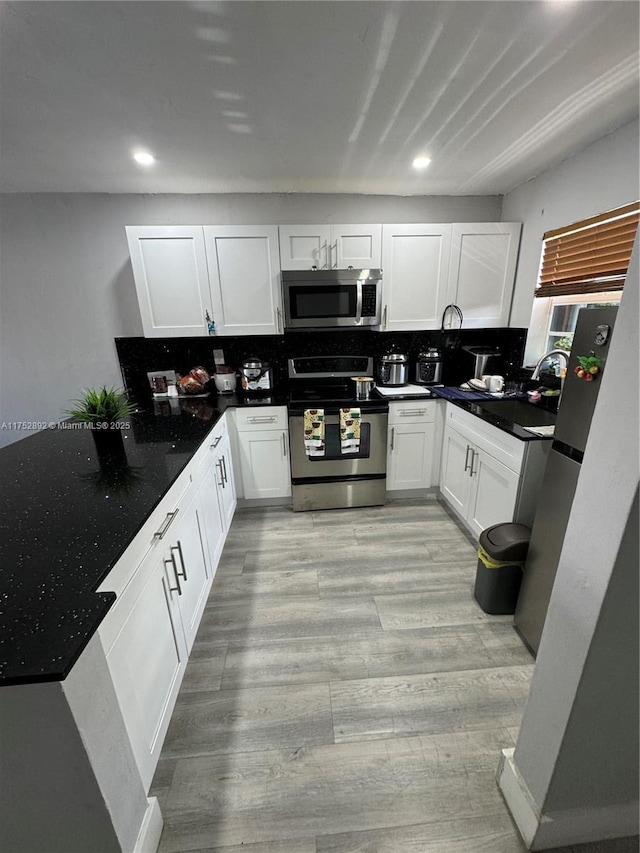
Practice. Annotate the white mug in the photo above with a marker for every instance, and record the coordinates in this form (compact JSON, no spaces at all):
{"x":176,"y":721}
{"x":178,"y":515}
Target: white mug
{"x":486,"y":378}
{"x":496,"y":384}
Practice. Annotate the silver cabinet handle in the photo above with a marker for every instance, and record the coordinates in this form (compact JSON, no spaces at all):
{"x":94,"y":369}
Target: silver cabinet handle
{"x":265,"y":419}
{"x":473,"y":459}
{"x":466,"y":458}
{"x":219,"y":467}
{"x":216,"y":442}
{"x":278,"y":321}
{"x":410,"y":412}
{"x":284,"y":445}
{"x":225,"y":479}
{"x":335,"y":263}
{"x":159,"y":534}
{"x":178,"y":548}
{"x":384,"y":318}
{"x":325,"y":246}
{"x":393,"y":436}
{"x":177,"y":588}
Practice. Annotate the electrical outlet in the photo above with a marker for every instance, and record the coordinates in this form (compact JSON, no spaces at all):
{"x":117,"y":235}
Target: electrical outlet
{"x":218,"y":356}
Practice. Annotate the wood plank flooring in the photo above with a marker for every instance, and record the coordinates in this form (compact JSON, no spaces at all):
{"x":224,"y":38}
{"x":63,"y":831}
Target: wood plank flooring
{"x":345,"y":693}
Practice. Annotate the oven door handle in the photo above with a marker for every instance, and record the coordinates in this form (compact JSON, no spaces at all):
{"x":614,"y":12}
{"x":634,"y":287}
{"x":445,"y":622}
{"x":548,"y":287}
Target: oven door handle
{"x":358,"y":320}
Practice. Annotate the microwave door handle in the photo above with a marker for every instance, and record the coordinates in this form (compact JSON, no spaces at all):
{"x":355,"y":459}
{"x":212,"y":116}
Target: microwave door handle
{"x":358,"y":319}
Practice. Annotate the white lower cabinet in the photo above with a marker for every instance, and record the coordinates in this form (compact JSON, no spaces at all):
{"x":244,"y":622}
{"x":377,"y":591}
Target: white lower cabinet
{"x":162,"y":582}
{"x":412,"y":447}
{"x":263,"y":446}
{"x":488,"y":476}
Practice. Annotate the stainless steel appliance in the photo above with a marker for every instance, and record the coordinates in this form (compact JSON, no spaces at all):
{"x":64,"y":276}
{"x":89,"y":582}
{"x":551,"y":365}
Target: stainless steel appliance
{"x":335,"y":479}
{"x":592,"y":335}
{"x":256,"y":376}
{"x":394,"y":369}
{"x":483,"y":360}
{"x":429,"y":367}
{"x":315,"y":299}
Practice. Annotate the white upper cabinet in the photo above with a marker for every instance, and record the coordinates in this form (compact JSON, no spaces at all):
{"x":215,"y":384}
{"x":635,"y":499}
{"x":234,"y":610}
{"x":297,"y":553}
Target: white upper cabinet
{"x":244,"y":272}
{"x":415,"y":268}
{"x":330,"y":246}
{"x":482,"y":271}
{"x":172,"y":281}
{"x":188,"y":275}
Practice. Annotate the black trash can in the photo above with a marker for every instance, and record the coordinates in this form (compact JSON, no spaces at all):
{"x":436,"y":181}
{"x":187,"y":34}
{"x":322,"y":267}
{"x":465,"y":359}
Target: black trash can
{"x":501,"y":556}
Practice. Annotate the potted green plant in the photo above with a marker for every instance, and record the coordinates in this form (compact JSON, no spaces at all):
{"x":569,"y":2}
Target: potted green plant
{"x":101,"y":410}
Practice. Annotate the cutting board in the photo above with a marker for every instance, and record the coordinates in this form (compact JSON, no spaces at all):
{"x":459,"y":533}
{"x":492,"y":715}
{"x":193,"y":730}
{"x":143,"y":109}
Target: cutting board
{"x":404,"y":392}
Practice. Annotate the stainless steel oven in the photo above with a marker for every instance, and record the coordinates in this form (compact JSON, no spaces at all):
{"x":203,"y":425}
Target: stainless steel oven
{"x":336,"y":479}
{"x":331,"y":298}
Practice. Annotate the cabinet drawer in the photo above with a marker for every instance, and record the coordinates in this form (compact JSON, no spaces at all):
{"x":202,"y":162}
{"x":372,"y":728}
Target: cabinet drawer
{"x":152,"y":531}
{"x":413,"y":412}
{"x":199,"y":465}
{"x":261,"y":417}
{"x":504,"y":447}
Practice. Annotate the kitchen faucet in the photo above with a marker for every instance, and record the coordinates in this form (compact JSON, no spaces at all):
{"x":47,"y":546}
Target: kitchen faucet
{"x":536,"y":370}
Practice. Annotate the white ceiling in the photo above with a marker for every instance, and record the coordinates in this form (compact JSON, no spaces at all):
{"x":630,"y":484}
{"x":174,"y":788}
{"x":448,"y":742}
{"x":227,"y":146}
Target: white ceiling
{"x":332,"y":97}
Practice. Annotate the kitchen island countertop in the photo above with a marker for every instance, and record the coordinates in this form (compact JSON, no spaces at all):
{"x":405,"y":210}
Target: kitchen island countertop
{"x":65,"y":522}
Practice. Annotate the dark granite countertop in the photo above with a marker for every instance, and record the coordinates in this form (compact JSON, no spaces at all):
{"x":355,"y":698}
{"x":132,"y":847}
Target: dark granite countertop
{"x":65,"y":520}
{"x":502,"y":412}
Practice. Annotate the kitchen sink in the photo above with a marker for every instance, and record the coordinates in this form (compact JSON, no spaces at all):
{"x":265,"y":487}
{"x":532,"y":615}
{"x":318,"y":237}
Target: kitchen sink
{"x":518,"y":412}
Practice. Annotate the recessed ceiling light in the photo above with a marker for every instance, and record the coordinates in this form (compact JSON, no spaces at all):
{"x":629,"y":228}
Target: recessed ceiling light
{"x":421,"y":162}
{"x":144,"y":158}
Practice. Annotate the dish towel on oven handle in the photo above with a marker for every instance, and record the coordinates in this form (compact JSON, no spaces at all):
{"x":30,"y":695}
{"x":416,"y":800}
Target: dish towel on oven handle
{"x":349,"y":430}
{"x":314,"y":432}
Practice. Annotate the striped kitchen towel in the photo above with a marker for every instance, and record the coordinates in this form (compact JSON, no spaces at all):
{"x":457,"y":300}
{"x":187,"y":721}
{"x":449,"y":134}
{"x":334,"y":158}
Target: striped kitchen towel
{"x":349,"y":430}
{"x":314,"y":432}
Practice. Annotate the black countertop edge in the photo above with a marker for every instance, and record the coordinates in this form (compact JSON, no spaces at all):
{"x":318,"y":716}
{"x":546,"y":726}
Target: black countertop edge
{"x":474,"y":407}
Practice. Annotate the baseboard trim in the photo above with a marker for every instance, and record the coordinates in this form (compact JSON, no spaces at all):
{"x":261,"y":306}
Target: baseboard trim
{"x":562,"y":828}
{"x":151,"y":828}
{"x":517,"y":797}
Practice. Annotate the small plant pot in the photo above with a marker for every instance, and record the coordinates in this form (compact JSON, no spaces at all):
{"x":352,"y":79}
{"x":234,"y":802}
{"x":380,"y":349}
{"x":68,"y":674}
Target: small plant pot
{"x":109,"y":444}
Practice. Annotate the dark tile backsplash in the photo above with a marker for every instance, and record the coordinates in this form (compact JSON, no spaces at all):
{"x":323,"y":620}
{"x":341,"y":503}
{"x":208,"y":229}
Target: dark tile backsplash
{"x":139,"y":355}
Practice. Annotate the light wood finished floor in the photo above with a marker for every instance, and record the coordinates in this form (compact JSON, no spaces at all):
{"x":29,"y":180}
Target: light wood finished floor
{"x":345,"y":693}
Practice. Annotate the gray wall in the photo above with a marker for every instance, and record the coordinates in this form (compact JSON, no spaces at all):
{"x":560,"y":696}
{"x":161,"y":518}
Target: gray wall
{"x":578,"y":743}
{"x":66,"y":287}
{"x":603,"y":176}
{"x":69,"y":781}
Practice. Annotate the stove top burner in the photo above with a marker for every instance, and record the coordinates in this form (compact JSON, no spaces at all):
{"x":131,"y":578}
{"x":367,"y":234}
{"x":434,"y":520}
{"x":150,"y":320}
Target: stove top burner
{"x":325,"y":381}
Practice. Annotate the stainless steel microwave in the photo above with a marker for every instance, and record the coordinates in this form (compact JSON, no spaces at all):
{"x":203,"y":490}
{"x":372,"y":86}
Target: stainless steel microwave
{"x":316,"y":299}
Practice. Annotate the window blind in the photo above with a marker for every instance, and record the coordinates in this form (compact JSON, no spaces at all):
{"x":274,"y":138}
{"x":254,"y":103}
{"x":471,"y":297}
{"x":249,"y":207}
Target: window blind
{"x":590,"y":256}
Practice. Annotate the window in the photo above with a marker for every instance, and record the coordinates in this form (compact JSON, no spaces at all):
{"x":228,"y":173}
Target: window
{"x":563,"y":316}
{"x":588,"y":256}
{"x":582,"y":265}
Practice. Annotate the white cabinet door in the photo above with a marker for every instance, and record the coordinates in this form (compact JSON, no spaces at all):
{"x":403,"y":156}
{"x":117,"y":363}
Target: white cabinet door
{"x":264,"y":458}
{"x":226,"y":483}
{"x":187,"y":554}
{"x":415,"y":264}
{"x":304,"y":246}
{"x":211,"y":525}
{"x":410,"y":456}
{"x":148,"y":656}
{"x":171,"y":277}
{"x":482,"y":271}
{"x":357,"y":246}
{"x":245,"y":279}
{"x":455,"y":482}
{"x":330,"y":246}
{"x":493,"y":494}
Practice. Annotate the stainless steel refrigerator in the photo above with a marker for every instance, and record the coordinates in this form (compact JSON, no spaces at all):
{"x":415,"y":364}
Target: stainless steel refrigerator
{"x":592,"y":336}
